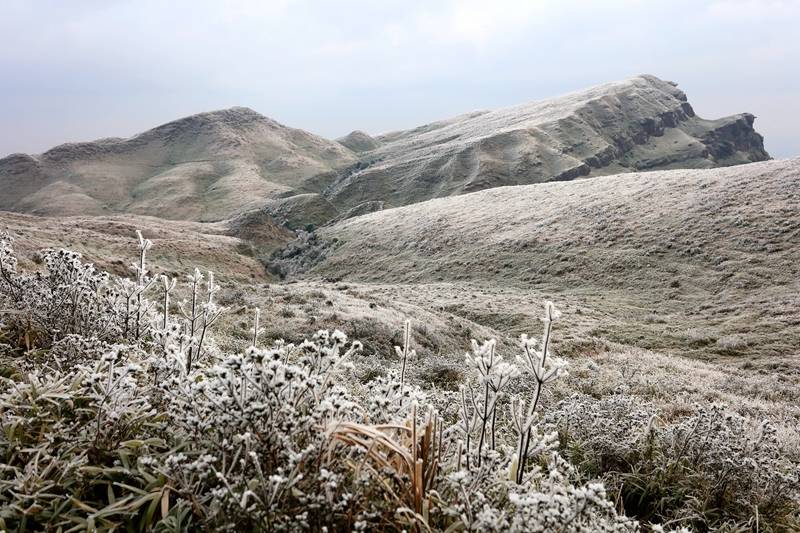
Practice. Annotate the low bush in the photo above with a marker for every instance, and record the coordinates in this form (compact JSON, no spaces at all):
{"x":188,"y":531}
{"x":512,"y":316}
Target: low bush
{"x":711,"y":469}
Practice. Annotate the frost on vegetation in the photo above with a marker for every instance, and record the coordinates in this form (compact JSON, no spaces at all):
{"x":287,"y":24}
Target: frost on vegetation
{"x":714,"y":466}
{"x":299,"y":255}
{"x":125,"y":414}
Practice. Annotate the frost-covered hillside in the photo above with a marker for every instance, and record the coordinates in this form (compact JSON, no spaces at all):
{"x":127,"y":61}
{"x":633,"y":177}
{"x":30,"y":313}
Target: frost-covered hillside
{"x":676,"y":252}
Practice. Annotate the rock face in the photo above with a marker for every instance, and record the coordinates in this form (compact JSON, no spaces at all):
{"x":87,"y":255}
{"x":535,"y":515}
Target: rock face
{"x":642,"y":123}
{"x":208,"y":166}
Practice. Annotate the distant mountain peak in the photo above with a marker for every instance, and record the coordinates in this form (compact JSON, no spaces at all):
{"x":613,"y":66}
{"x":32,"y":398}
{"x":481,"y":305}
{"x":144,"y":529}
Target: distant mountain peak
{"x":206,"y":166}
{"x":358,"y":141}
{"x":232,"y":117}
{"x":233,"y":114}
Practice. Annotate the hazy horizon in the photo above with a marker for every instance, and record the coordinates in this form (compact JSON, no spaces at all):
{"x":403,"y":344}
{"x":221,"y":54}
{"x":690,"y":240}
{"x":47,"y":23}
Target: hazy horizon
{"x":92,"y":69}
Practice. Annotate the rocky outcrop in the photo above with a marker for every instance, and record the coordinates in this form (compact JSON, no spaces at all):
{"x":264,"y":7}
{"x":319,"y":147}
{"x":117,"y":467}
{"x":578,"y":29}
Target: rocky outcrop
{"x":734,"y":141}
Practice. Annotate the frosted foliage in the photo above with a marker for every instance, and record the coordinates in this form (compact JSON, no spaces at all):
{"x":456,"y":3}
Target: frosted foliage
{"x":123,"y":412}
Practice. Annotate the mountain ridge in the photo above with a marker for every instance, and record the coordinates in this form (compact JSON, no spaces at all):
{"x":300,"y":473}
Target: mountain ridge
{"x":219,"y":164}
{"x":634,"y":124}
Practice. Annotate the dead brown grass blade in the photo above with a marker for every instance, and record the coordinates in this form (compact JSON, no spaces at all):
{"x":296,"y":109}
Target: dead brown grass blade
{"x":410,"y":454}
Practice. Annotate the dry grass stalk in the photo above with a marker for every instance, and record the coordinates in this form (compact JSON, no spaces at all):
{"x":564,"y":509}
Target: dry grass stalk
{"x":409,"y":453}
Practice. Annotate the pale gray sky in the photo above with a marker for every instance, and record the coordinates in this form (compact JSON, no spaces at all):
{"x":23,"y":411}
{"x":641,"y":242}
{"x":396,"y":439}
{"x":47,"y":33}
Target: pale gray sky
{"x":83,"y":69}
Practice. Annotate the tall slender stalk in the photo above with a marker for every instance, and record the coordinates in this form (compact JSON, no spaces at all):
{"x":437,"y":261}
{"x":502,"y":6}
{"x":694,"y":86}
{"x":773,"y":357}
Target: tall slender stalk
{"x":468,"y":422}
{"x":168,"y":284}
{"x":192,"y":320}
{"x":255,"y":327}
{"x":484,"y":419}
{"x":404,"y":354}
{"x":535,"y":362}
{"x":141,"y":280}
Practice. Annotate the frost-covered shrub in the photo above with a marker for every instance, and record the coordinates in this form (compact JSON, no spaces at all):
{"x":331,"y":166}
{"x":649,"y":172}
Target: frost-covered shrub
{"x":386,"y":398}
{"x":552,"y":498}
{"x":70,"y":444}
{"x":70,"y":297}
{"x":734,"y":466}
{"x":298,"y":255}
{"x":601,"y":433}
{"x":710,"y":468}
{"x":256,"y":455}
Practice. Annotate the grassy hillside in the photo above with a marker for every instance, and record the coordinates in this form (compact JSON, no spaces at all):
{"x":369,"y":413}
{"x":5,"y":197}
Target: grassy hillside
{"x":203,"y":167}
{"x":704,"y":262}
{"x":106,"y":242}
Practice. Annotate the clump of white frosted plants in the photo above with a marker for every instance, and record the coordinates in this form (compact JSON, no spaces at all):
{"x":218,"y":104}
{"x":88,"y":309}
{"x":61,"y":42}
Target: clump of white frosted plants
{"x":689,"y":472}
{"x":256,"y":455}
{"x":127,"y":416}
{"x":495,"y":489}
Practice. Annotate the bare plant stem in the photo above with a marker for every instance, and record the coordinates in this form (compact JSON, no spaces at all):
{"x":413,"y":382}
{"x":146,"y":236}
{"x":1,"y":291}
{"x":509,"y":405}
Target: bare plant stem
{"x":192,"y":323}
{"x":484,"y":419}
{"x":494,"y":422}
{"x":167,"y":288}
{"x":11,"y":283}
{"x":404,"y":354}
{"x":255,"y":327}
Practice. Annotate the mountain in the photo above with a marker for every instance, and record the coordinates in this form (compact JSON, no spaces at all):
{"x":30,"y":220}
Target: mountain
{"x":642,"y":123}
{"x":665,"y":259}
{"x":358,"y":141}
{"x":208,"y":166}
{"x":218,"y":165}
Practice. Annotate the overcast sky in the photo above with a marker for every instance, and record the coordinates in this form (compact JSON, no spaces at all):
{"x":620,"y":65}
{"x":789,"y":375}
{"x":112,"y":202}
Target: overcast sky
{"x":84,"y":69}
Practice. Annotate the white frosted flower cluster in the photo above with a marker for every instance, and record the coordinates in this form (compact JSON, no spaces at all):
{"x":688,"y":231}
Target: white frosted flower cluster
{"x":387,"y":399}
{"x":551,"y":499}
{"x":264,"y":410}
